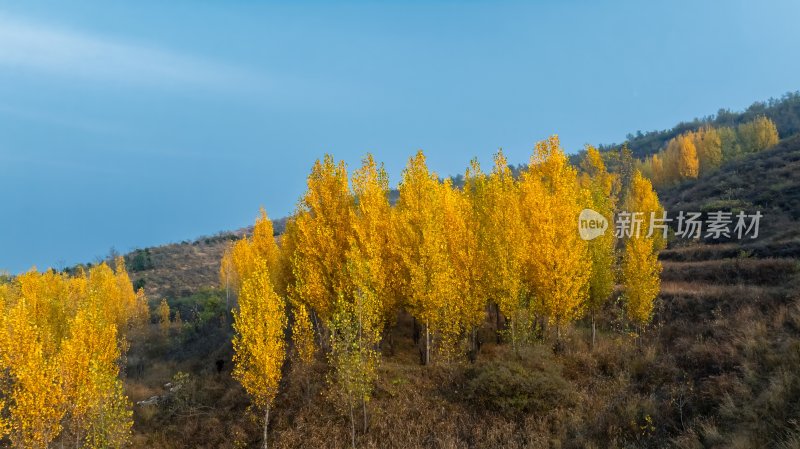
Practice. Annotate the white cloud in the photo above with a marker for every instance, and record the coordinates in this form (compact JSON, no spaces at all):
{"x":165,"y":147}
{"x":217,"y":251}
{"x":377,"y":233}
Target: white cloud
{"x":28,"y":46}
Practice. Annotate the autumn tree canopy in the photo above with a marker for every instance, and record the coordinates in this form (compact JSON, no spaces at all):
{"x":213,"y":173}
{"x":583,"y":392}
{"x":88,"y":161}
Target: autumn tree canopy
{"x":61,"y":341}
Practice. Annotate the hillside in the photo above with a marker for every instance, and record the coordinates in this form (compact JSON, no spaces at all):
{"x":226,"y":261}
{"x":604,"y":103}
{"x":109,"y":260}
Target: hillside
{"x":717,"y":369}
{"x":182,"y":269}
{"x":178,"y":269}
{"x":768,"y":181}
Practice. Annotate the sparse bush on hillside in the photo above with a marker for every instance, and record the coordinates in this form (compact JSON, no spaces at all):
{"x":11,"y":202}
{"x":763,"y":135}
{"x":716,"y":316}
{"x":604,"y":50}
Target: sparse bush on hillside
{"x":139,"y":260}
{"x":530,"y":383}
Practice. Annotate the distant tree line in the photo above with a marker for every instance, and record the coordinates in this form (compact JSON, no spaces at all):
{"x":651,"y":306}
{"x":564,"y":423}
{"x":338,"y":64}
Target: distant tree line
{"x":697,"y":153}
{"x":784,"y":112}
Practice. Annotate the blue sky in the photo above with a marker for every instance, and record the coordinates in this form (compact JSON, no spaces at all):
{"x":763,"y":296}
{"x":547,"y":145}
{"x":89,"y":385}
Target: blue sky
{"x":131,"y":124}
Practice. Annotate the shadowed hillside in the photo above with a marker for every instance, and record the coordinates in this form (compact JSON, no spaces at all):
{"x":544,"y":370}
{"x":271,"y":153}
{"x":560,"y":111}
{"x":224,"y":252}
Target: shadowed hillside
{"x":768,"y":181}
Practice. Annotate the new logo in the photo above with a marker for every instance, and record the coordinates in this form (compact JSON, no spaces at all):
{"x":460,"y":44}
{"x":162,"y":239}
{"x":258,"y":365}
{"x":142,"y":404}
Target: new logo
{"x":591,"y":224}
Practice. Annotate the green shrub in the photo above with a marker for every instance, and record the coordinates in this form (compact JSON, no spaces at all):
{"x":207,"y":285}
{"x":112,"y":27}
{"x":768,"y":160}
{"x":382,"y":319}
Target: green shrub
{"x":139,"y":260}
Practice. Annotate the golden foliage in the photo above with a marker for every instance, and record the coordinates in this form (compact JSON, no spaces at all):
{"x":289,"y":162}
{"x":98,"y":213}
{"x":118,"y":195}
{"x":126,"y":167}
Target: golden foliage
{"x":428,"y":272}
{"x":347,"y":257}
{"x":602,"y":189}
{"x":696,"y":153}
{"x":369,"y":257}
{"x":556,"y":271}
{"x":303,"y":334}
{"x":322,"y":227}
{"x":641,"y":272}
{"x":258,"y":344}
{"x":163,"y":317}
{"x":643,"y":199}
{"x":641,"y":269}
{"x":61,"y":339}
{"x":708,"y":143}
{"x":758,"y":134}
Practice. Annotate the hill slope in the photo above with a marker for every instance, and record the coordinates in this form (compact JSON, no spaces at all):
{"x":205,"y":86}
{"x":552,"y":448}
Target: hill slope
{"x":717,"y":369}
{"x":768,"y":181}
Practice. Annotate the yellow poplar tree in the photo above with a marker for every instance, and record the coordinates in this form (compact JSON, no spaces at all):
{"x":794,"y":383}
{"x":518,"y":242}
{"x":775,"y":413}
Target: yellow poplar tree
{"x":358,"y":321}
{"x":640,"y":266}
{"x":504,"y":240}
{"x":61,"y":340}
{"x":643,"y":198}
{"x":688,"y":164}
{"x":757,"y":135}
{"x":427,"y":273}
{"x":708,"y":143}
{"x":641,"y":272}
{"x":163,"y":317}
{"x":32,"y":391}
{"x":258,"y":343}
{"x":243,"y":258}
{"x":369,"y":253}
{"x":601,"y":186}
{"x":556,"y":270}
{"x":469,"y":214}
{"x":264,"y":245}
{"x":301,"y":324}
{"x":97,"y":412}
{"x":466,"y":309}
{"x":322,"y":230}
{"x":134,"y":310}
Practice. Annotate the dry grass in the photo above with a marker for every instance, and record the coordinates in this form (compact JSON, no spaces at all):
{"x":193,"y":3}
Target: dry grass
{"x":718,"y":368}
{"x":748,"y":271}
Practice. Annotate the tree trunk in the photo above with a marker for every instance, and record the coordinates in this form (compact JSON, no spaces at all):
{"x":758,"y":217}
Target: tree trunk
{"x":319,"y":329}
{"x":266,"y":426}
{"x":513,"y":336}
{"x":352,"y":426}
{"x":427,"y":345}
{"x":227,"y":295}
{"x":594,"y":330}
{"x":365,"y":416}
{"x":559,"y":346}
{"x":497,"y":323}
{"x":228,"y":311}
{"x":639,"y":331}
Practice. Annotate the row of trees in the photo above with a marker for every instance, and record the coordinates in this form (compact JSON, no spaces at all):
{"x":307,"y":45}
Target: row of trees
{"x":62,"y":339}
{"x":696,"y":153}
{"x":349,"y":261}
{"x":783,"y":111}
